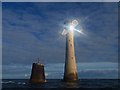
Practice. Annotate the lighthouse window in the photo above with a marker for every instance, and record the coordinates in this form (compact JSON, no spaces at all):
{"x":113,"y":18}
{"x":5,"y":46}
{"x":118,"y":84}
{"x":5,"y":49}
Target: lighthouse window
{"x":72,"y":57}
{"x":69,"y":40}
{"x":71,"y":45}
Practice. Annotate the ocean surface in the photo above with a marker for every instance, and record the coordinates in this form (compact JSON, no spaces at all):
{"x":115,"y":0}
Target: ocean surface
{"x":23,"y":84}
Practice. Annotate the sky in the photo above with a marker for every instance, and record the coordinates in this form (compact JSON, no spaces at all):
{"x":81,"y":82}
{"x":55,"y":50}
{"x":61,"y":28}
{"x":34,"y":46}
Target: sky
{"x":60,"y":0}
{"x":33,"y":30}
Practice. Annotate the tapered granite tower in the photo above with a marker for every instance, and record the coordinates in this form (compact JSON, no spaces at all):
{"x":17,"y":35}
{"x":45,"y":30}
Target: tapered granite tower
{"x":37,"y":73}
{"x":70,"y":73}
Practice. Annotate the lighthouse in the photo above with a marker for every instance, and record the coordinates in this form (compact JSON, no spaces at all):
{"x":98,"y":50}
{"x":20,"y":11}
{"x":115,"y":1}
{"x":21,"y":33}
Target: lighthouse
{"x":70,"y":69}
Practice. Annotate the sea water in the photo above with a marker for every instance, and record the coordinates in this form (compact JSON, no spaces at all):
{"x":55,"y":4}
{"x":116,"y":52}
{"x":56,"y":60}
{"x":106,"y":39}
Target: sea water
{"x":20,"y":84}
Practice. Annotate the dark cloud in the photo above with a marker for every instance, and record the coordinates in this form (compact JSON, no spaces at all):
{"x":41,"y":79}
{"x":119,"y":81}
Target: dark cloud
{"x":55,"y":70}
{"x":32,"y":30}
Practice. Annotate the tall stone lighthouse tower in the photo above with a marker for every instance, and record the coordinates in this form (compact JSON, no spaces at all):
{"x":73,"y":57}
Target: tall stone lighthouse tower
{"x":70,"y":73}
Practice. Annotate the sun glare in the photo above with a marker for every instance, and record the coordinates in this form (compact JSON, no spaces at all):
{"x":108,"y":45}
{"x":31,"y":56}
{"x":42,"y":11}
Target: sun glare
{"x":71,"y":26}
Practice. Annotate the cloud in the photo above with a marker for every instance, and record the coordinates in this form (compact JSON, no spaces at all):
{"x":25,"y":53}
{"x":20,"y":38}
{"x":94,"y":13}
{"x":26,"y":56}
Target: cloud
{"x":56,"y":71}
{"x":32,"y":30}
{"x":60,"y":1}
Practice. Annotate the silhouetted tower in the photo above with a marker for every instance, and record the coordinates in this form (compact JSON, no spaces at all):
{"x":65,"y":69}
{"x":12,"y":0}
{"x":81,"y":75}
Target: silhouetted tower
{"x":70,"y":73}
{"x":37,"y":73}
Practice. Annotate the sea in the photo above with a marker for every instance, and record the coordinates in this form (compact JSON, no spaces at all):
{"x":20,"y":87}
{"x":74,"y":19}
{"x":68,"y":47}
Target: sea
{"x":58,"y":84}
